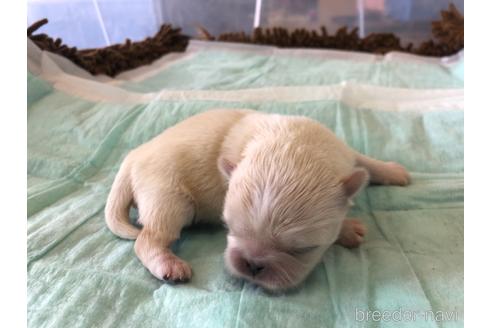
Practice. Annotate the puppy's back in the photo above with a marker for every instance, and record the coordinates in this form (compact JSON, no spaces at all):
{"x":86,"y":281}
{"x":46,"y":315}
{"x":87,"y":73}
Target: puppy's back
{"x":185,"y":157}
{"x":196,"y":139}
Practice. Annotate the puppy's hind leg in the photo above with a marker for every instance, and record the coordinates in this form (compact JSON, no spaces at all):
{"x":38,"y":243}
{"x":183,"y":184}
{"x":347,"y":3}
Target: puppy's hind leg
{"x":163,"y":217}
{"x":386,"y":173}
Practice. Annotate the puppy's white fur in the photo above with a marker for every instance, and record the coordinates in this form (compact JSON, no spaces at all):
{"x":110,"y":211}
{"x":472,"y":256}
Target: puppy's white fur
{"x":282,"y":184}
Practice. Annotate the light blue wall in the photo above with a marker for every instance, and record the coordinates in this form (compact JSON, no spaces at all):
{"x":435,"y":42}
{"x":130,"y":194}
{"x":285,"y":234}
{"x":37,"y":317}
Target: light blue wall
{"x":97,"y":23}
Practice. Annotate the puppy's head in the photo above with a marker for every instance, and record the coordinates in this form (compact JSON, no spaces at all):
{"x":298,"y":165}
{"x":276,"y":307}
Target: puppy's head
{"x":283,"y":210}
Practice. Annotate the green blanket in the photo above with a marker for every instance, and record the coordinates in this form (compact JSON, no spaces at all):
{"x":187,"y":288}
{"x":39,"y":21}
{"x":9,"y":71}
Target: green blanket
{"x":410,"y":267}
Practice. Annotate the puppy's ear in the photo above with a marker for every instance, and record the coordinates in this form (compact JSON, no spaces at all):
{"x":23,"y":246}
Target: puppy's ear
{"x":355,"y":182}
{"x":226,"y":167}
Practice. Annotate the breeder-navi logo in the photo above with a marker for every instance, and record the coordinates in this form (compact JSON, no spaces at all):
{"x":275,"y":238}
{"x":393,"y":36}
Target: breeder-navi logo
{"x":402,"y":315}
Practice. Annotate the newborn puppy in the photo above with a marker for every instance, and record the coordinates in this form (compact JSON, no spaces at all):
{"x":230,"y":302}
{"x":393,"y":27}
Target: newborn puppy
{"x":282,"y":184}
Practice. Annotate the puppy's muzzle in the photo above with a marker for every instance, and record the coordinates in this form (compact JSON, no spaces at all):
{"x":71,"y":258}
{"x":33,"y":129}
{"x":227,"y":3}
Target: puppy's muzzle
{"x":247,"y":264}
{"x":254,"y":268}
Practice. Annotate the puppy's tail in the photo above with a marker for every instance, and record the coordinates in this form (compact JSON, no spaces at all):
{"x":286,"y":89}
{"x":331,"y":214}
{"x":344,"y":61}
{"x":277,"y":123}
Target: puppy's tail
{"x":118,"y":205}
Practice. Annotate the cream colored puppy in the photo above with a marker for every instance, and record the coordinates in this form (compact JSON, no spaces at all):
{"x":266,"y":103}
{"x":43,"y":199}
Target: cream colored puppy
{"x":282,"y":184}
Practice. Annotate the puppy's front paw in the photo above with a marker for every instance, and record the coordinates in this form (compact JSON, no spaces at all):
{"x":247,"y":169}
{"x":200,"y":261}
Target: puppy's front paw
{"x":169,"y":267}
{"x":352,"y":233}
{"x":396,"y":174}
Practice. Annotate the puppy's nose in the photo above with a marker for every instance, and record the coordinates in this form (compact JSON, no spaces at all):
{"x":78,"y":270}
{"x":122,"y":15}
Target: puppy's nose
{"x":254,"y":268}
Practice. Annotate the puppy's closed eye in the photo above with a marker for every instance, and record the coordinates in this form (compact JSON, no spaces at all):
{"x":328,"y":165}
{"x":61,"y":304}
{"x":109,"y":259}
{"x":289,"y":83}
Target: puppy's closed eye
{"x":302,"y":250}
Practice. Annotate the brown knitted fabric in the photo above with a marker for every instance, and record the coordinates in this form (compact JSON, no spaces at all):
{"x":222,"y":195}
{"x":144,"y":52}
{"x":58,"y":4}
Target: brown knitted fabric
{"x":343,"y":39}
{"x":448,"y":33}
{"x":117,"y":58}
